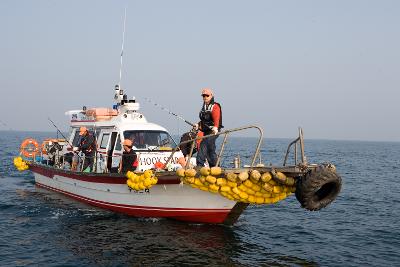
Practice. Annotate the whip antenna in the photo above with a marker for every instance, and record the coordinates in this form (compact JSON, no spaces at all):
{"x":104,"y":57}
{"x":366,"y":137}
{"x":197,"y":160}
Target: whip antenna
{"x":122,"y":51}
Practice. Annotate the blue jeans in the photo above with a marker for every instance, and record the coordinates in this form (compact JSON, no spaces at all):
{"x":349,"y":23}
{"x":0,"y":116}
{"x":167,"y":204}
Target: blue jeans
{"x":207,"y":151}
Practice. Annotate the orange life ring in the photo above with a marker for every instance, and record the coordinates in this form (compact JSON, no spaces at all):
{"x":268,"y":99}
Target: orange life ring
{"x":46,"y":141}
{"x":29,"y":148}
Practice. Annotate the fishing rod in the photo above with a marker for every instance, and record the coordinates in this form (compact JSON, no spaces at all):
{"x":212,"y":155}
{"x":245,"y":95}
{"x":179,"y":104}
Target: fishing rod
{"x":66,"y":139}
{"x":170,"y":112}
{"x":60,"y":132}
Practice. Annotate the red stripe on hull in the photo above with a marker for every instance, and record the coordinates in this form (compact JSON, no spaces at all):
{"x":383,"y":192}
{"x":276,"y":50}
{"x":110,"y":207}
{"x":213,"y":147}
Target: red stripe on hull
{"x":94,"y":177}
{"x":190,"y":215}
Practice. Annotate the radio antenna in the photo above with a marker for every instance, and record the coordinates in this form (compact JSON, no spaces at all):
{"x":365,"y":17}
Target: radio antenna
{"x":122,"y":51}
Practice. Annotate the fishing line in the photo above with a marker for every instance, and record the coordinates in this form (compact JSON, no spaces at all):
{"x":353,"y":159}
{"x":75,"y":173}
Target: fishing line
{"x":66,"y":139}
{"x":170,"y":112}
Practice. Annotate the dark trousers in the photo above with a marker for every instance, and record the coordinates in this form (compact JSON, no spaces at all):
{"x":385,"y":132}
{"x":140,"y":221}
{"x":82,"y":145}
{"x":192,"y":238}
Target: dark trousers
{"x":89,"y":160}
{"x":207,"y":151}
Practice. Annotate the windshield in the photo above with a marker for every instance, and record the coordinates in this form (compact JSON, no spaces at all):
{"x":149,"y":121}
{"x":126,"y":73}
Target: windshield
{"x":153,"y":140}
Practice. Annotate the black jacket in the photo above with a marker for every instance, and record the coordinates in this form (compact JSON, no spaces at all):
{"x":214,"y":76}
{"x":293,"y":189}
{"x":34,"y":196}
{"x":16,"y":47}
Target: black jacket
{"x":87,"y":144}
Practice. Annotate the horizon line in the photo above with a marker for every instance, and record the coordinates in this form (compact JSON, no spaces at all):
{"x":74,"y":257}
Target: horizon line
{"x":290,"y":138}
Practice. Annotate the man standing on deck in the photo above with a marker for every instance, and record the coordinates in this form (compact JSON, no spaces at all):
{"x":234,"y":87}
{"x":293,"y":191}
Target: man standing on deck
{"x":87,"y":145}
{"x":129,"y":158}
{"x":210,"y":123}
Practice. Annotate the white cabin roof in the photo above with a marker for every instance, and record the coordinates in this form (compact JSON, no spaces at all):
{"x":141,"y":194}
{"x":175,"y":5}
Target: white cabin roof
{"x":123,"y":116}
{"x":123,"y":122}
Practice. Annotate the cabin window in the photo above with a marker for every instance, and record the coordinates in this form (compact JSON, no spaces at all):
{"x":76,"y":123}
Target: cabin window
{"x":104,"y":140}
{"x":118,"y":145}
{"x":77,"y":138}
{"x":150,"y":139}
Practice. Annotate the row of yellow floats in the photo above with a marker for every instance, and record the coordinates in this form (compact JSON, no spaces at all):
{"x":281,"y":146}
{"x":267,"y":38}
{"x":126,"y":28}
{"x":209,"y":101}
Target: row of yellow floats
{"x":247,"y":186}
{"x":141,"y":182}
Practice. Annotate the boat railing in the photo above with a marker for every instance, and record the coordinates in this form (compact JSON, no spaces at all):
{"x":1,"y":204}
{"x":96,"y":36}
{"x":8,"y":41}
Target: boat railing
{"x":299,"y":141}
{"x":79,"y":160}
{"x":225,"y":133}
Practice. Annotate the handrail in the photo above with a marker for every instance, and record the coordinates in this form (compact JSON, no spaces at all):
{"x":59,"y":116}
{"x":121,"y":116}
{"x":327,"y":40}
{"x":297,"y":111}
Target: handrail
{"x":223,"y":144}
{"x":299,"y":140}
{"x":193,"y":141}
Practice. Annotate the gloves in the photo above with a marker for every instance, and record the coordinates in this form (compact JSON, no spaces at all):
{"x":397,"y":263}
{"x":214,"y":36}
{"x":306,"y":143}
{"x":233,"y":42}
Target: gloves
{"x":215,"y":130}
{"x":75,"y":149}
{"x":196,"y":126}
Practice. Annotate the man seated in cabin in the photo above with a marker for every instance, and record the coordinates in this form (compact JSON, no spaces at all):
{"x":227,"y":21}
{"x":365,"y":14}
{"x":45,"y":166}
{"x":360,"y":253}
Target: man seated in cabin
{"x":129,"y":160}
{"x":87,"y":145}
{"x":68,"y":157}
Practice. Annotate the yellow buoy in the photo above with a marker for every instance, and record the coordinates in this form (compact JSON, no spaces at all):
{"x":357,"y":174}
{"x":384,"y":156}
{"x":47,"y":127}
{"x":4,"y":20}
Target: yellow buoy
{"x":235,"y":190}
{"x":231,"y":176}
{"x":190,"y":172}
{"x":181,"y":172}
{"x":289,"y":181}
{"x":198,"y":182}
{"x":148,"y":174}
{"x":267,"y":187}
{"x":255,"y":175}
{"x":259,"y":200}
{"x":214,"y":187}
{"x":248,"y":183}
{"x":221,"y":181}
{"x":225,"y":188}
{"x":280,"y":177}
{"x":243,"y":195}
{"x":211,"y":179}
{"x":215,"y":171}
{"x":265,"y":177}
{"x":205,"y":171}
{"x":231,"y":184}
{"x":243,"y":176}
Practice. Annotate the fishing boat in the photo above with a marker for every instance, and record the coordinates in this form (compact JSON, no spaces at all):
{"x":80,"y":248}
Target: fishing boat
{"x":167,"y":183}
{"x":182,"y":191}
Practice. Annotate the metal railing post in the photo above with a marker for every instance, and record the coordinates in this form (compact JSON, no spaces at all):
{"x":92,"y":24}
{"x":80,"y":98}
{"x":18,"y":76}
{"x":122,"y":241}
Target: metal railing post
{"x":222,"y":150}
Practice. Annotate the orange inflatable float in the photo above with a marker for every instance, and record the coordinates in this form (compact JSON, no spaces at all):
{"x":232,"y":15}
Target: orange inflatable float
{"x":47,"y":142}
{"x":29,"y":148}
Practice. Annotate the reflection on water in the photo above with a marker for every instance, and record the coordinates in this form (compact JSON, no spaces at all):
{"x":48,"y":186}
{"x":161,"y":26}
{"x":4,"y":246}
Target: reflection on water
{"x":105,"y":238}
{"x":116,"y":239}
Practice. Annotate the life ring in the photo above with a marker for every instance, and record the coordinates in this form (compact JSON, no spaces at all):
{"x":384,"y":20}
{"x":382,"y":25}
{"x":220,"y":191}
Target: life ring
{"x":29,"y":148}
{"x":47,"y":141}
{"x":318,"y":188}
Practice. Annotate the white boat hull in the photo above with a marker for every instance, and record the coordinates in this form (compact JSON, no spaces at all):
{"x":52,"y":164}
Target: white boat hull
{"x":168,"y":198}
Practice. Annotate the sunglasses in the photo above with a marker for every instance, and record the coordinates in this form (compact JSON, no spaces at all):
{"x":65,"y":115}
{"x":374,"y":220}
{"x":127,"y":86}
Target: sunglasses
{"x":204,"y":95}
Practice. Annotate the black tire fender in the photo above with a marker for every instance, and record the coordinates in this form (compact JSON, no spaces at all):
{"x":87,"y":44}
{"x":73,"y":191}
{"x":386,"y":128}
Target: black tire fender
{"x":318,"y":188}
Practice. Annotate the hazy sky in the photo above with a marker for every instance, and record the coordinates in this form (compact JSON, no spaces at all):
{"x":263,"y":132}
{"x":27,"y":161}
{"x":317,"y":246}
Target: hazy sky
{"x":332,"y":67}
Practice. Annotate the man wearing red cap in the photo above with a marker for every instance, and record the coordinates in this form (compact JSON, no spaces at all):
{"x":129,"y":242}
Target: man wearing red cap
{"x":129,"y":160}
{"x":210,"y":123}
{"x":87,"y":145}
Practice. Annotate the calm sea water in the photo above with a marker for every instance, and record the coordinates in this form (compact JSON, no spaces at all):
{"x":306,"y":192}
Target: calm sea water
{"x":361,"y":228}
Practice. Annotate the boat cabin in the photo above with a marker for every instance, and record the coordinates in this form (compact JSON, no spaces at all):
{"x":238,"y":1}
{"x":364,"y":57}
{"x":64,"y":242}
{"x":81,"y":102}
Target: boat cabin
{"x":110,"y":127}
